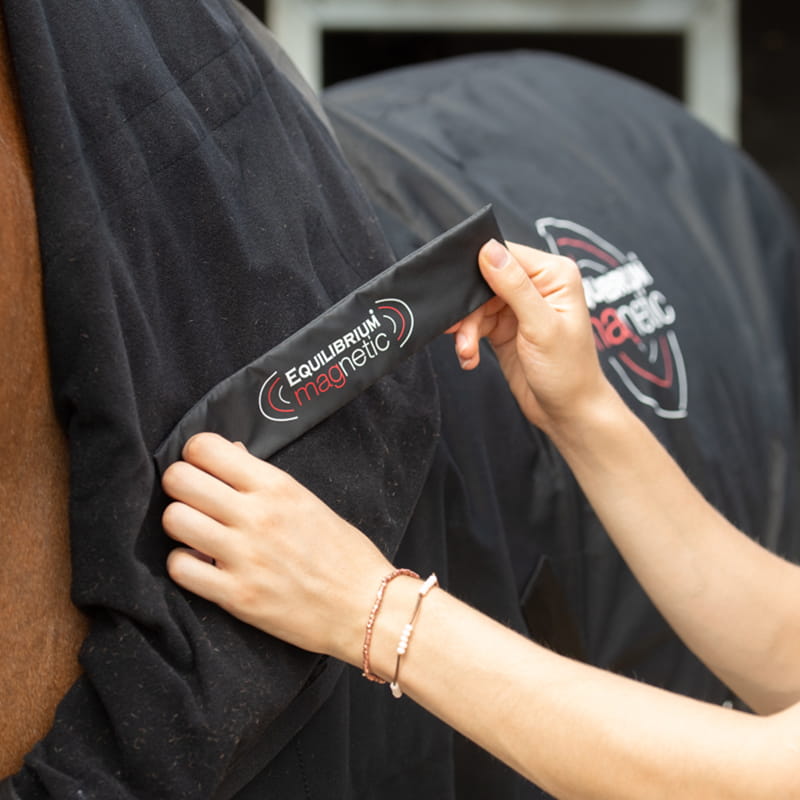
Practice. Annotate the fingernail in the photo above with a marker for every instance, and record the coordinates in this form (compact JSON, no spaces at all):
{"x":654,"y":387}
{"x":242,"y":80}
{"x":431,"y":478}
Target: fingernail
{"x":496,"y":254}
{"x":461,"y":342}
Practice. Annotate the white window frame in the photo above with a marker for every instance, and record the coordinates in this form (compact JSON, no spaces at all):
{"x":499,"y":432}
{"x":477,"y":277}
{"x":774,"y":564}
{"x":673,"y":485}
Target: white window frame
{"x":709,"y":27}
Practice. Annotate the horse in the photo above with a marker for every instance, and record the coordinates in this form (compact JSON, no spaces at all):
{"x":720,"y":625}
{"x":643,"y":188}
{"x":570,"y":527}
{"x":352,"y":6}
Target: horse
{"x":40,"y":629}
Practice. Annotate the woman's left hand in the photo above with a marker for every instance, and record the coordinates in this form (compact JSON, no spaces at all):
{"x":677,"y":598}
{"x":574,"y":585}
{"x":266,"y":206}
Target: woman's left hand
{"x":267,"y":550}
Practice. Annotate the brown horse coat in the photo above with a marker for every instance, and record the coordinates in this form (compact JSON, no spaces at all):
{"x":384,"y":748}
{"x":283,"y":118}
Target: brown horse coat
{"x":40,"y":629}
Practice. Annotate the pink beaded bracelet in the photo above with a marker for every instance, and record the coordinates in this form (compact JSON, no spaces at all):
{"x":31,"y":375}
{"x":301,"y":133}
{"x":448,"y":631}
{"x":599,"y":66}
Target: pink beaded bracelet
{"x":370,"y":676}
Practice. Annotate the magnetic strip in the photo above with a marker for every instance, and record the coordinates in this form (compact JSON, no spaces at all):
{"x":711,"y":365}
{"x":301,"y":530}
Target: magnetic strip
{"x":321,"y":367}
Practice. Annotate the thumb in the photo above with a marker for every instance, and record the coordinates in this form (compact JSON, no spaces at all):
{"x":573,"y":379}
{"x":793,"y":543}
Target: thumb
{"x":510,"y":281}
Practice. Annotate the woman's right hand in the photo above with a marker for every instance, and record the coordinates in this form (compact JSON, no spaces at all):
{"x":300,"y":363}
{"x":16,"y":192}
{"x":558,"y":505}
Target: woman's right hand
{"x":539,"y":327}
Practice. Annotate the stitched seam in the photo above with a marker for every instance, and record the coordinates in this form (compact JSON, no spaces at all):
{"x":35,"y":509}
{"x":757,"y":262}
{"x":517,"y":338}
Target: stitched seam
{"x":302,"y":765}
{"x":138,"y":113}
{"x":91,"y":225}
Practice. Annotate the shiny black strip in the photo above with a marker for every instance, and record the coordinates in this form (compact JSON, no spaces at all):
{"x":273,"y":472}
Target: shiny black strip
{"x":317,"y":370}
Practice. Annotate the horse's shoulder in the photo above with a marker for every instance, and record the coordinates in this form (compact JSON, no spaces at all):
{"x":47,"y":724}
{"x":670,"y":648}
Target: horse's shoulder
{"x":40,"y":630}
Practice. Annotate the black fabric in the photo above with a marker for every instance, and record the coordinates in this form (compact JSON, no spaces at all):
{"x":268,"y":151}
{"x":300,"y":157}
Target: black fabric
{"x":327,"y":363}
{"x":547,"y":612}
{"x":364,"y":745}
{"x":690,"y":262}
{"x":193,"y":212}
{"x":7,"y":791}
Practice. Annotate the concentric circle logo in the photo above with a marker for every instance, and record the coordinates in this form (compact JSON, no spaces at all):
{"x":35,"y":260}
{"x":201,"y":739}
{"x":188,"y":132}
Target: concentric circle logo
{"x":273,"y":402}
{"x":632,"y":320}
{"x":400,"y":317}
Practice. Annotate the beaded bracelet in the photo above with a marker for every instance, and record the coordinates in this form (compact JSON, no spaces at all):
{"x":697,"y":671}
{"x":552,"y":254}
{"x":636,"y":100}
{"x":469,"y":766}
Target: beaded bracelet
{"x":405,"y":636}
{"x":370,"y":676}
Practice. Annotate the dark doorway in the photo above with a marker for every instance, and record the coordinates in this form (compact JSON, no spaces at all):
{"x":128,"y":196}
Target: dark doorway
{"x":770,"y":66}
{"x":656,"y":59}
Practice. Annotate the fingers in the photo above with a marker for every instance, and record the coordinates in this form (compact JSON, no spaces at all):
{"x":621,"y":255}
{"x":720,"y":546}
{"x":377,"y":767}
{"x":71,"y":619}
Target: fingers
{"x":530,"y":285}
{"x":470,"y":330}
{"x":196,"y":575}
{"x":467,"y":339}
{"x":195,"y":529}
{"x":228,"y":461}
{"x":551,"y":274}
{"x":201,"y":490}
{"x":511,"y":282}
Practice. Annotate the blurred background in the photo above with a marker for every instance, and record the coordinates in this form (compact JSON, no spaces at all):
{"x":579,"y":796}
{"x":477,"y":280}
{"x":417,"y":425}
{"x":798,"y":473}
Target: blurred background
{"x":736,"y":63}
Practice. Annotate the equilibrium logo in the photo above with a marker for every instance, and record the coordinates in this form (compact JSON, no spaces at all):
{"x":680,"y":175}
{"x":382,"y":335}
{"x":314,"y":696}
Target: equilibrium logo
{"x":632,"y":320}
{"x":388,"y":325}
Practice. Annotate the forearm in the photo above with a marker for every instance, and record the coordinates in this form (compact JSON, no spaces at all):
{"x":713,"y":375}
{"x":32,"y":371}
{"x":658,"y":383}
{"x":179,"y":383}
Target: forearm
{"x":735,"y":604}
{"x":732,"y":602}
{"x":574,"y":730}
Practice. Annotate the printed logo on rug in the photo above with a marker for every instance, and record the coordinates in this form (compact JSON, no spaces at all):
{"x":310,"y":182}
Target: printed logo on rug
{"x":633,"y":321}
{"x":389,"y":324}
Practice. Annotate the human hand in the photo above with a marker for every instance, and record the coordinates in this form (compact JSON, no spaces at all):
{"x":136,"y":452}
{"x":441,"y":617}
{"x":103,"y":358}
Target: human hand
{"x":282,"y":559}
{"x":538,"y":325}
